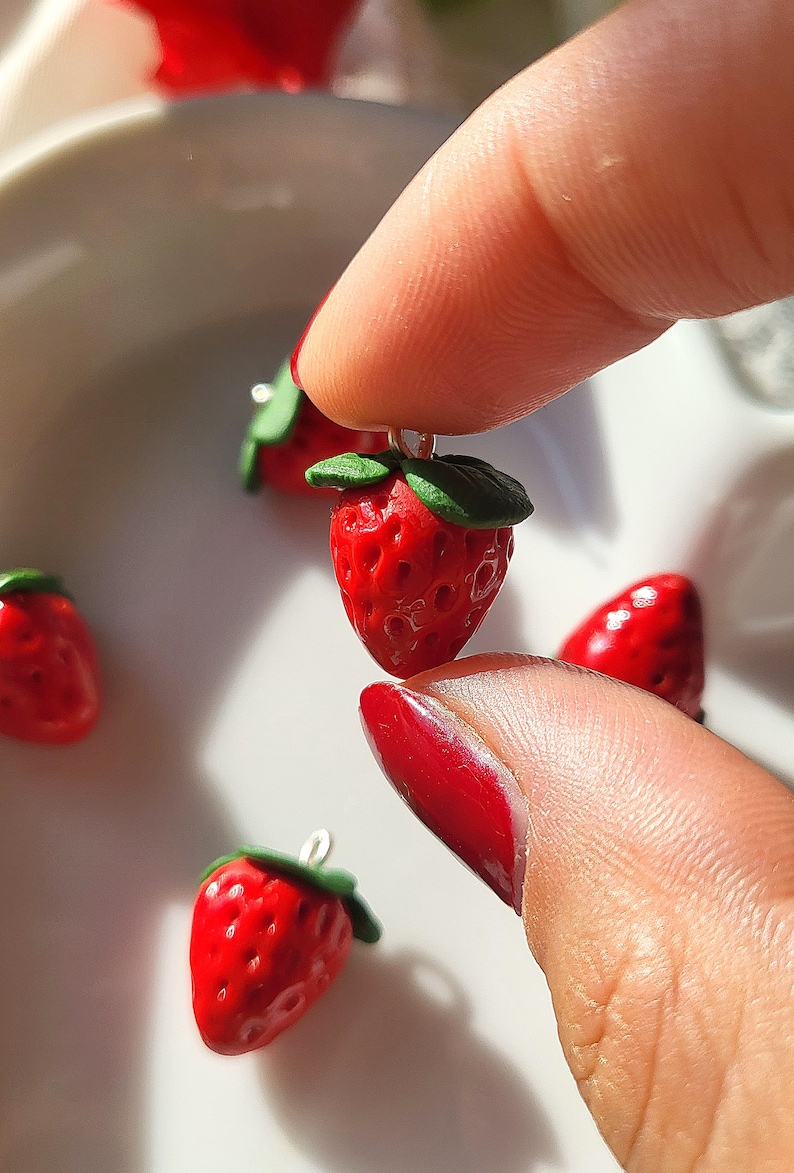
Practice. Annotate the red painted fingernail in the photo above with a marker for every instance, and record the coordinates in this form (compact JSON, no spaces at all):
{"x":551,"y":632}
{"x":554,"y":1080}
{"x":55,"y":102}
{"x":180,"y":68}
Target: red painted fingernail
{"x":452,"y":781}
{"x":293,"y":362}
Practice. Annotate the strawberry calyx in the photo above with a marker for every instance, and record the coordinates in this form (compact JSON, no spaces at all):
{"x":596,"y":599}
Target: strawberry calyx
{"x":462,"y":490}
{"x":25,"y":578}
{"x":336,"y":881}
{"x":272,"y":424}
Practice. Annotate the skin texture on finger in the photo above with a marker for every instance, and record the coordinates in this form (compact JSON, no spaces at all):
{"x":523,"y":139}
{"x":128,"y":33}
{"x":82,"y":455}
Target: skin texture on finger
{"x":659,"y":900}
{"x":641,"y":173}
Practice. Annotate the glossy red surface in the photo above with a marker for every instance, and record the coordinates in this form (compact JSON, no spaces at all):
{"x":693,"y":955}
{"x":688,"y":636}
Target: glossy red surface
{"x":415,"y":587}
{"x":211,"y":45}
{"x":450,"y":779}
{"x":49,"y":673}
{"x":263,"y":948}
{"x":315,"y":438}
{"x":651,"y":636}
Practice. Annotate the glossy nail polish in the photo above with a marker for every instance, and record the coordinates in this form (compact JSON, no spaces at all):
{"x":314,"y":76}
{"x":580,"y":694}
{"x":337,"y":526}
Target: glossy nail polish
{"x":452,"y":782}
{"x":293,"y":362}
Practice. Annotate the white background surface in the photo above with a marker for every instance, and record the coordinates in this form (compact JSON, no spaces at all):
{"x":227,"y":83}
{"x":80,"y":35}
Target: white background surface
{"x":148,"y":277}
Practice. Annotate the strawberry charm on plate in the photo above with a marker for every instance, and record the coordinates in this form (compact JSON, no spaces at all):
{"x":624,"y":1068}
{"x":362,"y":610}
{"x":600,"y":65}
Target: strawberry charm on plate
{"x":650,"y":635}
{"x":270,"y":933}
{"x":49,"y":673}
{"x":288,"y":434}
{"x":420,"y":547}
{"x":215,"y":45}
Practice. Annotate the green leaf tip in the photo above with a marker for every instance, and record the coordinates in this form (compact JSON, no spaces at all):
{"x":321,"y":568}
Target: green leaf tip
{"x":468,"y":492}
{"x":351,"y":470}
{"x":25,"y":578}
{"x":336,"y":881}
{"x":272,"y":424}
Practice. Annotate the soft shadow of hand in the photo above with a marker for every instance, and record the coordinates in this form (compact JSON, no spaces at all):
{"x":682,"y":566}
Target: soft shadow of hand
{"x":385,"y":1075}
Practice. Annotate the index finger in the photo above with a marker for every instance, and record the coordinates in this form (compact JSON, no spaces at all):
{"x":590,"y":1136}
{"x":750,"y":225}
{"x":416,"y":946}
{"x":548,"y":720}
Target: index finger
{"x":642,"y":173}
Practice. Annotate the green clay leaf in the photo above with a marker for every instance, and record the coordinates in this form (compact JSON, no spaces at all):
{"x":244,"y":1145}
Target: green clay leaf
{"x":274,"y":422}
{"x":248,"y":466}
{"x":350,"y":470}
{"x":271,"y":424}
{"x":24,"y":578}
{"x":467,"y":491}
{"x":366,"y":926}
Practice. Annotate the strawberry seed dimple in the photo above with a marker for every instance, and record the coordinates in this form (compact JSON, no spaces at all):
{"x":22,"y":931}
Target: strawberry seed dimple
{"x":403,"y":573}
{"x":395,"y":627}
{"x":370,"y":558}
{"x":432,"y":639}
{"x":440,"y":543}
{"x":302,"y":912}
{"x":444,"y":598}
{"x":483,"y":578}
{"x":321,"y":924}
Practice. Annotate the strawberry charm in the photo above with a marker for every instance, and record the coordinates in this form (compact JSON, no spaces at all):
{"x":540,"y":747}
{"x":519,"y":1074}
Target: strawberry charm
{"x":288,"y":433}
{"x":420,"y":547}
{"x":49,"y":674}
{"x":270,"y":933}
{"x":651,"y":636}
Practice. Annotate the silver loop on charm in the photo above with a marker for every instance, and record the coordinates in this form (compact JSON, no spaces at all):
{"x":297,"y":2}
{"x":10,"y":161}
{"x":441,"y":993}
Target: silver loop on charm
{"x":316,"y":849}
{"x":425,"y":448}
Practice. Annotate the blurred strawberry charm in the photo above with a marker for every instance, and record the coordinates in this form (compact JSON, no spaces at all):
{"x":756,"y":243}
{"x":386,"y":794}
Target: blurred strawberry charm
{"x":270,"y":933}
{"x":651,"y":636}
{"x":49,"y":674}
{"x":288,"y":434}
{"x":211,"y":45}
{"x":420,"y":547}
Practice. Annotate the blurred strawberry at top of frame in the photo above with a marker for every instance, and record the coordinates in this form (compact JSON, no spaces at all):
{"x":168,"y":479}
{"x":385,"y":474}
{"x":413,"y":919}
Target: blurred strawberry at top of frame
{"x":288,"y":434}
{"x":214,"y":45}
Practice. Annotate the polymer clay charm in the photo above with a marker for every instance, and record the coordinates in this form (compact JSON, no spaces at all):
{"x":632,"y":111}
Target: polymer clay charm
{"x":218,"y":45}
{"x":50,"y":687}
{"x":270,"y":933}
{"x":288,"y":433}
{"x":420,"y":546}
{"x":650,"y":635}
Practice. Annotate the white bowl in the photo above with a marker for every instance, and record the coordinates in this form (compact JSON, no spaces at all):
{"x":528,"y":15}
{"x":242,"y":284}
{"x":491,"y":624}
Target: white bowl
{"x":152,"y":270}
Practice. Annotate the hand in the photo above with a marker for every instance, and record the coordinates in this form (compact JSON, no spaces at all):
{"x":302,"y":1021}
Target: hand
{"x":642,"y":173}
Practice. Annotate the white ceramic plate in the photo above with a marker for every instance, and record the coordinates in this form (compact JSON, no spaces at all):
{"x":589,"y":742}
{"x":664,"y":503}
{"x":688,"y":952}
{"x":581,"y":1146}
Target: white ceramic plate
{"x":150,"y":272}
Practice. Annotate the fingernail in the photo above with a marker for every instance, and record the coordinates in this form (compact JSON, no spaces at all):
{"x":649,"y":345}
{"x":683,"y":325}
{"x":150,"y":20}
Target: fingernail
{"x":293,"y":362}
{"x":452,"y":781}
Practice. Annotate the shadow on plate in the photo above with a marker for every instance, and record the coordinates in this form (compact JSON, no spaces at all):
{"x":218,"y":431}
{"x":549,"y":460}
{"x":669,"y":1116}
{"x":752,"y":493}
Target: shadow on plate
{"x":745,"y":568}
{"x":558,"y":455}
{"x":387,"y":1075}
{"x":133,"y":498}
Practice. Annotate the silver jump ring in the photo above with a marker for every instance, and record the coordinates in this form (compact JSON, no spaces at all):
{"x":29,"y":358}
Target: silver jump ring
{"x":425,"y":448}
{"x":316,"y":849}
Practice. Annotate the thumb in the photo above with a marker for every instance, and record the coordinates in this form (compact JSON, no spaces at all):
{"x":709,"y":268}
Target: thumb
{"x":654,"y":866}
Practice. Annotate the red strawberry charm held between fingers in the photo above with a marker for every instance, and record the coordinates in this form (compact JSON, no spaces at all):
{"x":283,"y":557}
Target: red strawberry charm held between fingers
{"x":420,"y":547}
{"x":651,"y":636}
{"x":270,"y":933}
{"x":49,"y":674}
{"x":288,"y":434}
